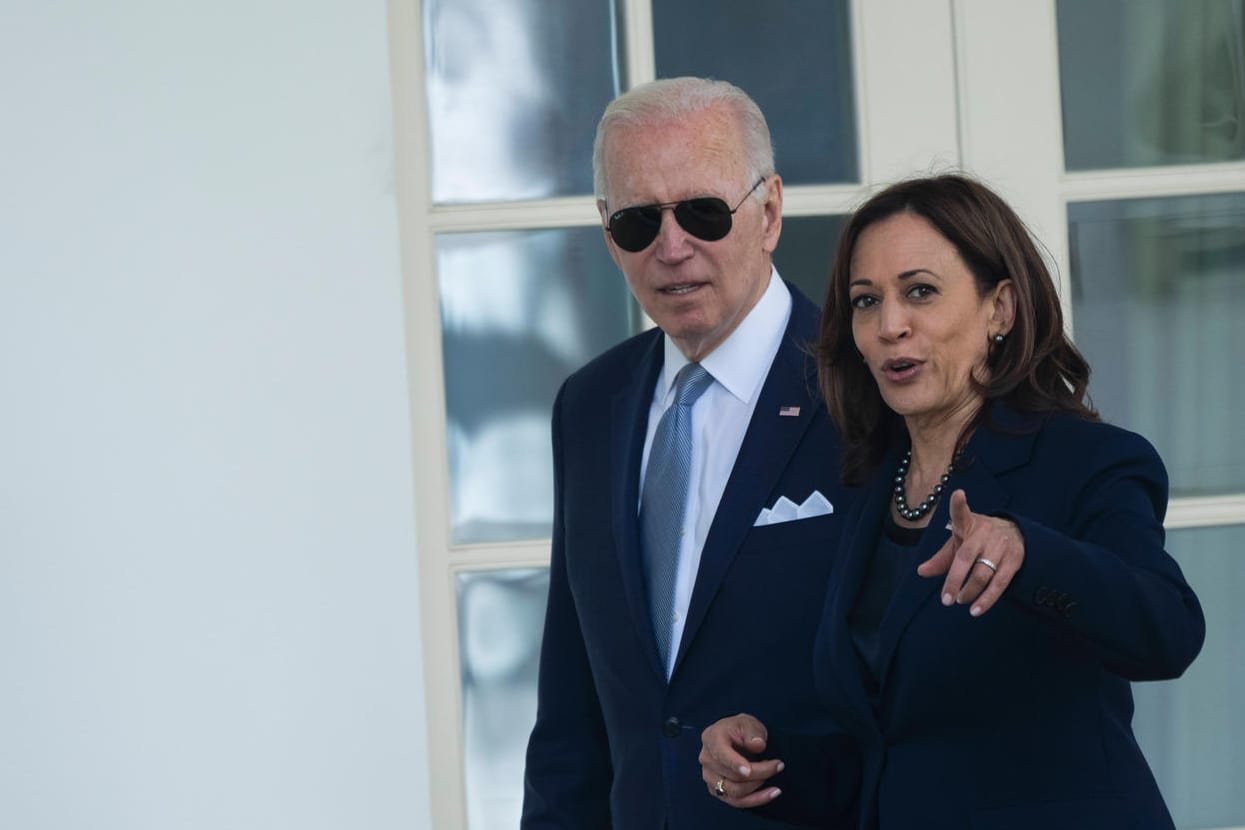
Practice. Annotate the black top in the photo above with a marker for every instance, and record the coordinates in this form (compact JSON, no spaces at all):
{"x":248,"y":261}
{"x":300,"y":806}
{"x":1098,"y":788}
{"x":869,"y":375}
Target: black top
{"x":892,"y":559}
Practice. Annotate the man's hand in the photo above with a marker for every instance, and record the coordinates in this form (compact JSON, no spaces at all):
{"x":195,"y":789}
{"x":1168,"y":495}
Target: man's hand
{"x":727,"y":748}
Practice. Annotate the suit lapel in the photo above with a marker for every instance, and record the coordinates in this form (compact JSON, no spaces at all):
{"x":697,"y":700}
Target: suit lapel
{"x":629,"y":420}
{"x":990,"y":453}
{"x":766,"y":449}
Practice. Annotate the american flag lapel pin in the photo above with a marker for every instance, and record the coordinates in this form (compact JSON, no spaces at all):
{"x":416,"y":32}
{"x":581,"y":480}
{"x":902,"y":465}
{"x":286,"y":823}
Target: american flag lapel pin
{"x":788,"y":412}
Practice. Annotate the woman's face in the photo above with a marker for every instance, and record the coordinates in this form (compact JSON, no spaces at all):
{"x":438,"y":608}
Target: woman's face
{"x":919,"y":320}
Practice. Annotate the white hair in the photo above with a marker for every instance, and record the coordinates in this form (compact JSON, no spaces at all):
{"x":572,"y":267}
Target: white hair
{"x":674,"y":98}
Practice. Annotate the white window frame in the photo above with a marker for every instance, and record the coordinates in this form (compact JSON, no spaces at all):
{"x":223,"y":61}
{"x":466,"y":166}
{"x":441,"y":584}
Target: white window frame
{"x":936,"y":86}
{"x":1012,"y":122}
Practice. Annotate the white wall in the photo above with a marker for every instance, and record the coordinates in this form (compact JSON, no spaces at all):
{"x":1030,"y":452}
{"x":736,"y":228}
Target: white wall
{"x":208,"y":589}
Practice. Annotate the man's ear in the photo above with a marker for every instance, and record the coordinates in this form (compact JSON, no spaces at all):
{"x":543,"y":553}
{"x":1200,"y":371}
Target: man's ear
{"x":772,"y":214}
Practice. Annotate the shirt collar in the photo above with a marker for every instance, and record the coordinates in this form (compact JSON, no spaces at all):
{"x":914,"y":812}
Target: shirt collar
{"x":741,"y":361}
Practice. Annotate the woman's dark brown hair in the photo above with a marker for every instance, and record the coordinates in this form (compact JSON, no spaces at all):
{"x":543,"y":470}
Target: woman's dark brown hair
{"x":1035,"y":369}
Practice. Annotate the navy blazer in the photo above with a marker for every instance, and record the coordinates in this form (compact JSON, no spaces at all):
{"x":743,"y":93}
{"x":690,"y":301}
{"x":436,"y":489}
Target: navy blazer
{"x":614,"y":744}
{"x":1020,"y":718}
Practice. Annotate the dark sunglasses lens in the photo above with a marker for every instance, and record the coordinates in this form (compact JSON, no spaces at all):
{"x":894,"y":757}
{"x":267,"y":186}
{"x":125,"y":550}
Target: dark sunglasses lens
{"x":635,"y":228}
{"x":708,"y":218}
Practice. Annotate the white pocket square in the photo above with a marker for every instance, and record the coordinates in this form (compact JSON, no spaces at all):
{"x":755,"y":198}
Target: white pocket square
{"x":785,"y":510}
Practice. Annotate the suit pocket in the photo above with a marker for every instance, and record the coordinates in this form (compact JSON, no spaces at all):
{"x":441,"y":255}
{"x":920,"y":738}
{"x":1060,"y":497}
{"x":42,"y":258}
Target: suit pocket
{"x":817,"y":533}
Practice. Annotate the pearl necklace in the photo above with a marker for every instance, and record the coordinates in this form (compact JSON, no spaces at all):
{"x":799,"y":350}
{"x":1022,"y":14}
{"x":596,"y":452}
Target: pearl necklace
{"x":901,"y":501}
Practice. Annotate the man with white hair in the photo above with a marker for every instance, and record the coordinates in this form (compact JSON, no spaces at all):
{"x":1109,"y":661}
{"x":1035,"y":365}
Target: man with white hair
{"x":696,"y":481}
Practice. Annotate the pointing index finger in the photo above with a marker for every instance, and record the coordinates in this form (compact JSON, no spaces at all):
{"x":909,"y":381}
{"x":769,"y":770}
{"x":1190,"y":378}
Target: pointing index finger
{"x":961,"y":514}
{"x":961,"y":529}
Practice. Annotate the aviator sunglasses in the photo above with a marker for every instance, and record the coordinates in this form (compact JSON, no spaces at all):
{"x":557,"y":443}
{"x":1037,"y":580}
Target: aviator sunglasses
{"x":707,"y":218}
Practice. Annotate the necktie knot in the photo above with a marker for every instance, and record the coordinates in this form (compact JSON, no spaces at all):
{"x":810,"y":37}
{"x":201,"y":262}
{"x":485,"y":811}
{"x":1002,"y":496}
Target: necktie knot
{"x":690,"y":383}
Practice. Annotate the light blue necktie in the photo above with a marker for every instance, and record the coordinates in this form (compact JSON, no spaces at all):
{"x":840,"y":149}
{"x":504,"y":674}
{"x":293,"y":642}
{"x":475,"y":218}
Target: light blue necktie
{"x":664,"y":501}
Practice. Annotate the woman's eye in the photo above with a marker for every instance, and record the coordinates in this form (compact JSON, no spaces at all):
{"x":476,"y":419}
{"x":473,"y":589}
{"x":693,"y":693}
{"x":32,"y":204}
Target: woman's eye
{"x":920,"y":292}
{"x":862,"y":301}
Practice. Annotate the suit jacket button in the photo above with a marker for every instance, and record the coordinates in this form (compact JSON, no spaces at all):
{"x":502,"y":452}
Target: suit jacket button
{"x":671,"y":728}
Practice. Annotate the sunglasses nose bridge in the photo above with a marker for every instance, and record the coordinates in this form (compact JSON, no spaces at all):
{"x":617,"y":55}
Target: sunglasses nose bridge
{"x":672,"y":238}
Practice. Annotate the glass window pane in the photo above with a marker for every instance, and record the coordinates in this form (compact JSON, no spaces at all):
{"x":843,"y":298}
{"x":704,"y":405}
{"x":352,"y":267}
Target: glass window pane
{"x":1158,"y":304}
{"x":806,"y":251}
{"x":500,"y":618}
{"x":515,"y":89}
{"x":807,"y":96}
{"x":520,"y":310}
{"x":1149,"y":82}
{"x":1193,"y":729}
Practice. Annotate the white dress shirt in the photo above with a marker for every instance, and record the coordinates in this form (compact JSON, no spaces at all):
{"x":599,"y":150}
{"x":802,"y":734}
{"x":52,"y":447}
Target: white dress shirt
{"x":720,"y":417}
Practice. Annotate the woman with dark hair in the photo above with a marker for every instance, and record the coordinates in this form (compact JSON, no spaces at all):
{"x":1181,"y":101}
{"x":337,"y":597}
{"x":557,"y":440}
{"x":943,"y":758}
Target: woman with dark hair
{"x":1003,"y":576}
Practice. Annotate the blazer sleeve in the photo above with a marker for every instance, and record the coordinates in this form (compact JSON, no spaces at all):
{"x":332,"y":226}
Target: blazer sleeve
{"x":568,"y":772}
{"x":1105,"y":577}
{"x":820,"y":781}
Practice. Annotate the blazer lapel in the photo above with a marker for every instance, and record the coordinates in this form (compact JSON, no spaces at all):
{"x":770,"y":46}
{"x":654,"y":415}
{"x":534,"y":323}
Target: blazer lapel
{"x":629,"y":420}
{"x":993,"y":450}
{"x":767,"y":447}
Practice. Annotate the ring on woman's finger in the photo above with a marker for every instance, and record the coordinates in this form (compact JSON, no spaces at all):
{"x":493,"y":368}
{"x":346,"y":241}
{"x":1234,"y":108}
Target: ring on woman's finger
{"x":986,"y":562}
{"x":718,"y":789}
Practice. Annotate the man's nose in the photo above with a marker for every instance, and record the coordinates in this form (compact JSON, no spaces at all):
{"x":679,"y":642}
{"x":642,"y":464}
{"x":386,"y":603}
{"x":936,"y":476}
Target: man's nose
{"x":673,"y":243}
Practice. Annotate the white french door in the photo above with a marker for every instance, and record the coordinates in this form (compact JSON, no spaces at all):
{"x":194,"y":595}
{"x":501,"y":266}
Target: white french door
{"x":508,"y":287}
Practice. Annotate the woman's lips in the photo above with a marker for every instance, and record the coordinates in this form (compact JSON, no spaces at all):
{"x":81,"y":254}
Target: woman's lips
{"x":901,"y":369}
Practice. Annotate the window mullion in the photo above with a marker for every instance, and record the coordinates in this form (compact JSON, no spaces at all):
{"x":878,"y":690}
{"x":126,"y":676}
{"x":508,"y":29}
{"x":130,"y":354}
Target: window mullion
{"x":640,"y":55}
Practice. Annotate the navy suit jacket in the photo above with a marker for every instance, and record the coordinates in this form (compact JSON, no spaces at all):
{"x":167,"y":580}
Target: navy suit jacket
{"x":1020,"y":718}
{"x":614,"y":744}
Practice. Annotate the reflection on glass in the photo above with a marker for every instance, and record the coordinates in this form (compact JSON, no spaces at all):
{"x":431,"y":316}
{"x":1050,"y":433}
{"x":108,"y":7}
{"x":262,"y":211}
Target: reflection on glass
{"x":500,"y":618}
{"x":1151,"y":82}
{"x":806,"y":251}
{"x":1193,"y":729}
{"x":793,"y":58}
{"x":515,"y":89}
{"x":520,"y":310}
{"x":1158,"y":305}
